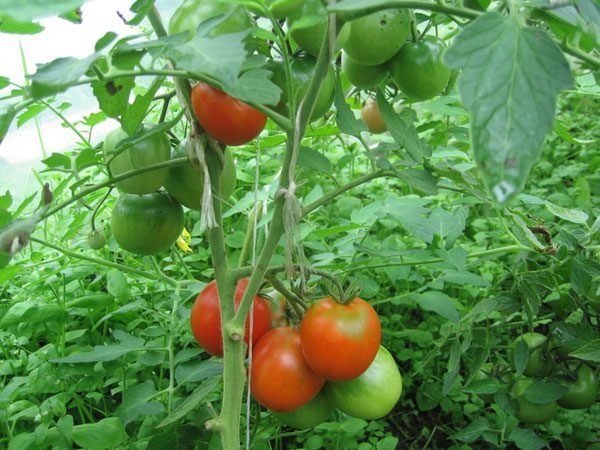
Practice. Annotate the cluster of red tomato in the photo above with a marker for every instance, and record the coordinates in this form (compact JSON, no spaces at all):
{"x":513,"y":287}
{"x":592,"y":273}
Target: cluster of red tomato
{"x":334,"y":360}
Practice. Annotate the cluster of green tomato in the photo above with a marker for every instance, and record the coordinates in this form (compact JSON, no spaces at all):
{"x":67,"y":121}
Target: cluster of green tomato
{"x":144,"y":220}
{"x":580,"y":393}
{"x":333,"y":360}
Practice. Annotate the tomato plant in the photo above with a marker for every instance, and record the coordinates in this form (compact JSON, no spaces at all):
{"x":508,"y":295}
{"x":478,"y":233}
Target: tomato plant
{"x":149,"y":150}
{"x":372,"y":394}
{"x":205,"y":317}
{"x":281,"y":379}
{"x":529,"y":412}
{"x":376,"y":38}
{"x":146,"y":224}
{"x":340,"y":341}
{"x":186,"y":184}
{"x":582,"y":392}
{"x":316,"y":411}
{"x":372,"y":118}
{"x":228,"y":120}
{"x":537,"y":364}
{"x":191,"y":13}
{"x":96,"y":240}
{"x":418,"y":69}
{"x":302,"y":69}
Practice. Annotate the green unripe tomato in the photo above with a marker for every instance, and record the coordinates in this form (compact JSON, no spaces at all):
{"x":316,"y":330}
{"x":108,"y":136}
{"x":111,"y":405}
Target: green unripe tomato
{"x":311,"y":38}
{"x":361,"y":76}
{"x":376,"y":38}
{"x":302,"y":70}
{"x":315,"y":412}
{"x":537,"y":364}
{"x":151,"y":150}
{"x":528,"y":412}
{"x":581,"y":393}
{"x":191,"y":13}
{"x":146,"y":224}
{"x":374,"y":393}
{"x":418,"y":69}
{"x":186,"y":184}
{"x":96,"y":240}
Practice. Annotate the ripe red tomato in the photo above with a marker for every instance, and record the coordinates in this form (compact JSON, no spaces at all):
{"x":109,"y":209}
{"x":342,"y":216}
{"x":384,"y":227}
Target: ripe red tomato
{"x":281,"y":379}
{"x":205,"y":318}
{"x":229,"y":120}
{"x":339,"y":341}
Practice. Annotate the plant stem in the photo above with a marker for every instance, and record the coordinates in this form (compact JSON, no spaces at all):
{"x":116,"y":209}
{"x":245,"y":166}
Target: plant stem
{"x":349,"y":13}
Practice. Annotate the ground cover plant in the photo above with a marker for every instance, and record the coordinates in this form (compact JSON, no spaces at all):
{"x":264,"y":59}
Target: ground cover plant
{"x":344,"y":225}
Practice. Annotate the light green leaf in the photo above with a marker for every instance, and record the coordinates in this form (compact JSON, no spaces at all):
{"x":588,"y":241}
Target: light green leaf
{"x":255,"y":86}
{"x":7,"y":115}
{"x":589,"y":352}
{"x":344,"y":117}
{"x":104,"y":434}
{"x":509,"y":82}
{"x":191,"y":401}
{"x":439,"y":303}
{"x":526,"y":439}
{"x":59,"y":75}
{"x":27,"y":10}
{"x":30,"y":311}
{"x":570,"y":215}
{"x":137,"y":401}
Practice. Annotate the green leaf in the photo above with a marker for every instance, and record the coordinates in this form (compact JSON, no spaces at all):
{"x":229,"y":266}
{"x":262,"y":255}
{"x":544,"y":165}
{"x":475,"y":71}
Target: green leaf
{"x":27,"y":10}
{"x":141,"y":8}
{"x":526,"y":439}
{"x":473,"y":431}
{"x":255,"y":86}
{"x":111,"y":352}
{"x":346,"y":122}
{"x":520,"y":356}
{"x":312,"y":159}
{"x":59,"y":75}
{"x":30,"y":311}
{"x":195,"y":371}
{"x":117,"y":285}
{"x":7,"y":115}
{"x":464,"y":278}
{"x":419,"y":179}
{"x":401,"y":127}
{"x":113,"y":95}
{"x":540,"y":392}
{"x":93,"y":301}
{"x":137,"y":402}
{"x":487,"y":386}
{"x":134,"y":115}
{"x":439,"y":303}
{"x":192,"y":401}
{"x":104,"y":434}
{"x":570,"y":215}
{"x":509,"y":82}
{"x":589,"y":352}
{"x":11,"y":26}
{"x":30,"y":113}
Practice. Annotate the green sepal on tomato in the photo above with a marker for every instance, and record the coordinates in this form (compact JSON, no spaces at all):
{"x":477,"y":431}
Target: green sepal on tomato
{"x":582,"y":392}
{"x":529,"y":412}
{"x":227,"y":119}
{"x":315,"y":412}
{"x":281,"y":379}
{"x":377,"y":37}
{"x":340,"y":341}
{"x":205,"y":317}
{"x":191,"y":13}
{"x":146,"y":224}
{"x":186,"y":184}
{"x":149,"y":150}
{"x":372,"y":394}
{"x":310,"y":38}
{"x":302,"y":68}
{"x":418,"y":70}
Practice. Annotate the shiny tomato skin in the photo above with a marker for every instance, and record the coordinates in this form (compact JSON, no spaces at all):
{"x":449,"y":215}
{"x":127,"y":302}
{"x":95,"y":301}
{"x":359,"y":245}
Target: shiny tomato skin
{"x":281,"y":380}
{"x":581,"y":393}
{"x":229,"y":120}
{"x":339,"y":342}
{"x":315,"y":412}
{"x":205,"y":318}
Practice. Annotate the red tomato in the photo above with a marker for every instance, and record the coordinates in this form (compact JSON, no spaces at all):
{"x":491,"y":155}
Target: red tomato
{"x":281,"y":379}
{"x":339,"y":342}
{"x":228,"y":120}
{"x":205,"y":319}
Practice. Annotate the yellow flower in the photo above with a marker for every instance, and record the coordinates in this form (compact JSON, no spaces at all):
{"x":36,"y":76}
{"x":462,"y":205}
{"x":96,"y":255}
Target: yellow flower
{"x":183,"y":241}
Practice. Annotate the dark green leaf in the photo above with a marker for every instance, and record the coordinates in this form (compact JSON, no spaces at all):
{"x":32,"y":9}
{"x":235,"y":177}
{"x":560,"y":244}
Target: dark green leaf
{"x":526,"y":439}
{"x":539,"y":392}
{"x":589,"y":352}
{"x":192,"y":401}
{"x":439,"y":303}
{"x":487,"y":386}
{"x":509,"y":82}
{"x":312,"y":159}
{"x":346,"y":122}
{"x":138,"y":401}
{"x":421,"y":180}
{"x":520,"y":356}
{"x":473,"y":431}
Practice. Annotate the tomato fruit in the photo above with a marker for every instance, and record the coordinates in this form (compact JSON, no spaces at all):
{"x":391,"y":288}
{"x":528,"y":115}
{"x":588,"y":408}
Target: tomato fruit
{"x":528,"y":412}
{"x":96,"y":240}
{"x":148,"y":151}
{"x":281,"y":380}
{"x":280,"y":8}
{"x":146,"y":224}
{"x":302,"y":69}
{"x":315,"y":412}
{"x":371,"y":116}
{"x":205,"y":317}
{"x":362,"y":76}
{"x":310,"y":39}
{"x":186,"y":184}
{"x":418,"y":69}
{"x":191,"y":13}
{"x":339,"y":342}
{"x":581,"y":393}
{"x":230,"y":121}
{"x":377,"y":37}
{"x":537,"y":364}
{"x":373,"y":394}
